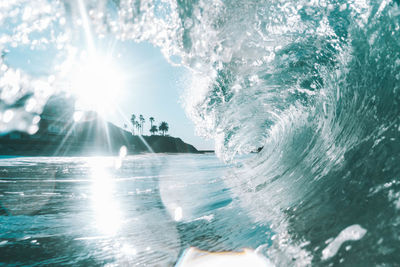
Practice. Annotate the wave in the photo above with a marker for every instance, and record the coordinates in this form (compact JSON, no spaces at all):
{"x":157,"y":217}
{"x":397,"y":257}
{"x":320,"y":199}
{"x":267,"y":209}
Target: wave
{"x":315,"y":84}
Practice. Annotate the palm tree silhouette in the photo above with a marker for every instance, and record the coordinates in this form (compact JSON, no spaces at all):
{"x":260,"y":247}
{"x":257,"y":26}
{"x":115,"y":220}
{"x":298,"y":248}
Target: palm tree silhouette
{"x":142,"y":121}
{"x":138,"y":126}
{"x":133,"y":121}
{"x":164,"y":127}
{"x":153,"y":129}
{"x":151,"y":119}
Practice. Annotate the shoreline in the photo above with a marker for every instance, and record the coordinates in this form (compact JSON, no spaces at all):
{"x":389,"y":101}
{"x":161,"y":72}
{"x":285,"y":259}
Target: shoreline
{"x":93,"y":137}
{"x":97,"y":147}
{"x":96,"y":155}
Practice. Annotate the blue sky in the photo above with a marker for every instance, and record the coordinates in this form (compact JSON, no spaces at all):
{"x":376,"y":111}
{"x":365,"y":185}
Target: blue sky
{"x":152,"y":87}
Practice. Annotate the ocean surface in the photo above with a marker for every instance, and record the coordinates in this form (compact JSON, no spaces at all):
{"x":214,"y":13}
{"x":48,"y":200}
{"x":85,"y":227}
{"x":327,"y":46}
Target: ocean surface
{"x":316,"y":84}
{"x":139,"y":211}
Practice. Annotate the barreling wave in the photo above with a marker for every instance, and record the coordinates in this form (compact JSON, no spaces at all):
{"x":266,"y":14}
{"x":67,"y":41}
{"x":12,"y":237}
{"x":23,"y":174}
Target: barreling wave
{"x":315,"y":84}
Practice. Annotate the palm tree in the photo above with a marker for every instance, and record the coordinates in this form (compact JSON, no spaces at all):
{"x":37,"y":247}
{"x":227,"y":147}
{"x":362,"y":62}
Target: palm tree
{"x":138,"y":126}
{"x":133,"y":121}
{"x":153,"y":129}
{"x":142,"y":121}
{"x":151,"y":119}
{"x":163,"y":127}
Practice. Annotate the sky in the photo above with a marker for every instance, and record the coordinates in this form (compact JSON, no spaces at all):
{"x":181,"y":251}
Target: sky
{"x":151,"y":86}
{"x":153,"y":89}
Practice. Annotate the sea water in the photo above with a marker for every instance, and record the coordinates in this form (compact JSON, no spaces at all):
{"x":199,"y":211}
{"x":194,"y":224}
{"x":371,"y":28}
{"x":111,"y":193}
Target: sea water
{"x":316,"y":84}
{"x":85,"y":211}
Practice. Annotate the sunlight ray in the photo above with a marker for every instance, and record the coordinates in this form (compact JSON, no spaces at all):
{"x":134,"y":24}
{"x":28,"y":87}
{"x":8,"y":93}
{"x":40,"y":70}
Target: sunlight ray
{"x":97,"y":80}
{"x":86,"y":26}
{"x":109,"y":145}
{"x":71,"y":128}
{"x":139,"y":135}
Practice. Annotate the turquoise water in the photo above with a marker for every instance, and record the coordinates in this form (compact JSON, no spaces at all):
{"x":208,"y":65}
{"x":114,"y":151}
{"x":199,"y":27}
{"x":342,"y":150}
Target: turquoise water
{"x":315,"y":83}
{"x":84,"y":211}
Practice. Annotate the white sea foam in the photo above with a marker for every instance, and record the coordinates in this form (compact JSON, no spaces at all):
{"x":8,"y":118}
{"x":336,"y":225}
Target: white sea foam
{"x":352,"y":233}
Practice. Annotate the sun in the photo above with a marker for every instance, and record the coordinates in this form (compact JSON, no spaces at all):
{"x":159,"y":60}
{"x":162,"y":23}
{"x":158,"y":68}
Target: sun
{"x":96,"y":82}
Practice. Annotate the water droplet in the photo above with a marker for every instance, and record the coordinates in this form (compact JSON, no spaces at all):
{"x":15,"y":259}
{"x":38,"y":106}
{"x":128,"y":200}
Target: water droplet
{"x":7,"y":116}
{"x":123,"y":151}
{"x":30,"y":105}
{"x":36,"y":119}
{"x":178,"y":214}
{"x":33,"y":129}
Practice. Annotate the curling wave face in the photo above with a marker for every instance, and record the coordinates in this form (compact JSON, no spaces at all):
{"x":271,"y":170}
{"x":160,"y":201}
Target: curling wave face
{"x":316,"y":84}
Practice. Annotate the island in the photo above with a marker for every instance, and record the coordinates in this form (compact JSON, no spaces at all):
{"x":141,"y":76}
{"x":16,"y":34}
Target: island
{"x":62,"y":134}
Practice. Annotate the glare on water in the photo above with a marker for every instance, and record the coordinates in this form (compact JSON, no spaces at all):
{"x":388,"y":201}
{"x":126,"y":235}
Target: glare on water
{"x":93,"y":213}
{"x":107,"y":213}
